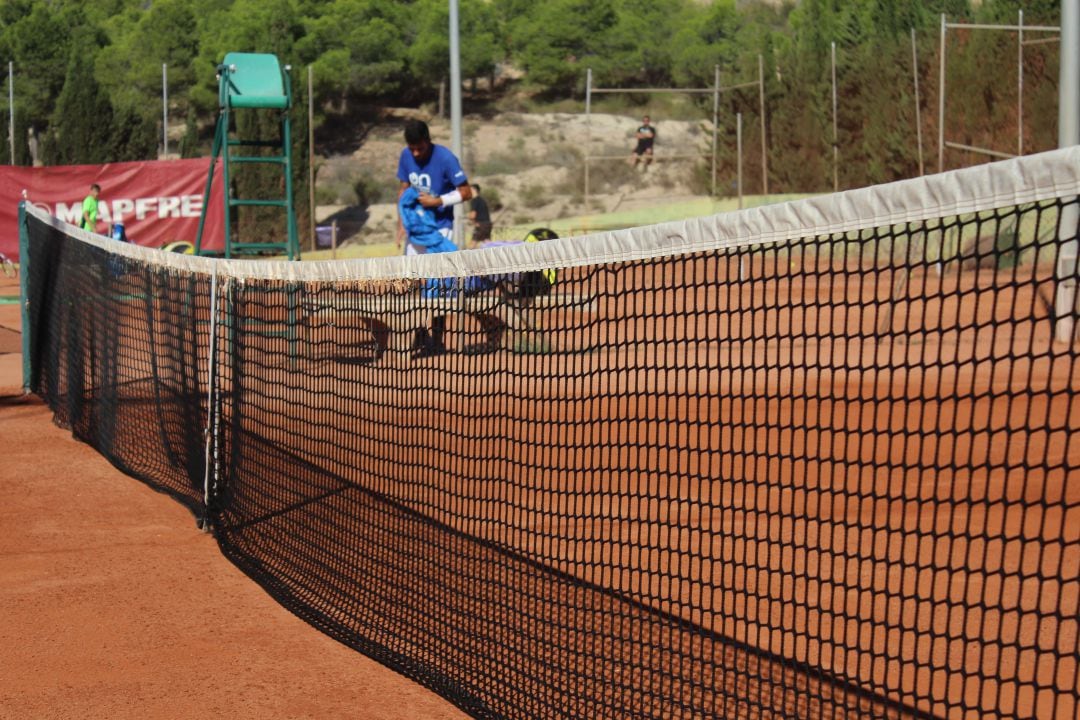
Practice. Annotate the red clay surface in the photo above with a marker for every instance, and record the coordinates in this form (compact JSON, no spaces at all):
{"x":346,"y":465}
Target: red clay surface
{"x":113,"y":605}
{"x":924,"y":579}
{"x":899,"y":512}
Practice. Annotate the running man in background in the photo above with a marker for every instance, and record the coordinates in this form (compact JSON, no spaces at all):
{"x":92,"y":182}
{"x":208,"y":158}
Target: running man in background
{"x":646,"y":136}
{"x":90,"y":209}
{"x":436,"y":174}
{"x":480,"y":216}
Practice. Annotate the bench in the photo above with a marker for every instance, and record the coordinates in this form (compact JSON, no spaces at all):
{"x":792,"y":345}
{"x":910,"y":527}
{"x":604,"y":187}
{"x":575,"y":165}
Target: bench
{"x":362,"y":329}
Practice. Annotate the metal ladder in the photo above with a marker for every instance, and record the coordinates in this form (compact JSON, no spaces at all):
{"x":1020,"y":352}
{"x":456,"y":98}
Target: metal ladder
{"x":252,"y":81}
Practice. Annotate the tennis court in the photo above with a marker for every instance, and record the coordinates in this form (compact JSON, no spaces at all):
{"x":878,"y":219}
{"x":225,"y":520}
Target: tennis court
{"x":761,"y":472}
{"x":103,"y":587}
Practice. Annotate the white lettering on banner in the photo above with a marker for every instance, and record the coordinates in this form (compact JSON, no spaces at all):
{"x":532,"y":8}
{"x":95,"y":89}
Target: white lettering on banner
{"x":191,"y":205}
{"x":168,"y":207}
{"x":120,"y":208}
{"x":143,"y":207}
{"x":183,"y":206}
{"x":69,"y":213}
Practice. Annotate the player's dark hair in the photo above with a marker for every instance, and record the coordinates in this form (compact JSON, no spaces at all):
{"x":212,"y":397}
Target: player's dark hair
{"x":416,"y":132}
{"x":477,"y":187}
{"x":95,"y":186}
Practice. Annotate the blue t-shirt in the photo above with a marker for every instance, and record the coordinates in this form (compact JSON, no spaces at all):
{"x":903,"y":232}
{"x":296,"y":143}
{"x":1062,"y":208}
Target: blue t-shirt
{"x":441,"y":174}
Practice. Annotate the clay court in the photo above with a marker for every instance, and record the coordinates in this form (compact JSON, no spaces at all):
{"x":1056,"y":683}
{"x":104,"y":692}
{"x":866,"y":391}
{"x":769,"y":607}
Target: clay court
{"x":113,"y":604}
{"x":754,"y":484}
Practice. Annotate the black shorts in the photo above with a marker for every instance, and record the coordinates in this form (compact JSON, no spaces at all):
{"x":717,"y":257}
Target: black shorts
{"x":643,"y":146}
{"x":481,"y":232}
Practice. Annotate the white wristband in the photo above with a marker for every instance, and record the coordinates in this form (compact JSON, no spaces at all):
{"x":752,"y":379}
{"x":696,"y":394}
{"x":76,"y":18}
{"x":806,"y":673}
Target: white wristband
{"x":450,"y":198}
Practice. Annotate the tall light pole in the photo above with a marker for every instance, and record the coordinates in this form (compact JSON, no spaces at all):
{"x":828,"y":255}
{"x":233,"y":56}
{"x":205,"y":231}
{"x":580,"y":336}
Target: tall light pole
{"x":455,"y":111}
{"x":835,"y":148}
{"x":165,"y":110}
{"x":11,"y":109}
{"x":761,"y":104}
{"x":311,"y":157}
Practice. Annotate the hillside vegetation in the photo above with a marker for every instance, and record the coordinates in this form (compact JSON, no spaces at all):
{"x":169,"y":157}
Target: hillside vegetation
{"x":88,"y":77}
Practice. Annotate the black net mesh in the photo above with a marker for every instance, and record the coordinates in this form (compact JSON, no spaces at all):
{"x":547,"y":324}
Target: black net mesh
{"x":832,"y":477}
{"x":119,"y":352}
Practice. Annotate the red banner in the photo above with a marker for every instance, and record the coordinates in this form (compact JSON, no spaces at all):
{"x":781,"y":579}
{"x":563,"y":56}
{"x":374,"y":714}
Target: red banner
{"x":158,"y":202}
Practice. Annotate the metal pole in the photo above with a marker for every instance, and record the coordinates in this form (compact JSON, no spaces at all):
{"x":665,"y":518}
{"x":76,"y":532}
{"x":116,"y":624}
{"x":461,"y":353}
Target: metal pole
{"x":333,"y":239}
{"x":455,"y":111}
{"x":941,"y":100}
{"x":715,"y":121}
{"x":1020,"y":83}
{"x":835,"y":151}
{"x":588,"y":132}
{"x":1065,"y":305}
{"x":738,"y":180}
{"x":24,"y":295}
{"x":738,"y":158}
{"x":165,"y":110}
{"x":311,"y":155}
{"x":761,"y":103}
{"x":11,"y":109}
{"x":1069,"y":87}
{"x":918,"y":110}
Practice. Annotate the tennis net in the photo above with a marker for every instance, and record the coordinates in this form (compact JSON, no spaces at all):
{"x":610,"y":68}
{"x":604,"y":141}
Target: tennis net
{"x":811,"y":460}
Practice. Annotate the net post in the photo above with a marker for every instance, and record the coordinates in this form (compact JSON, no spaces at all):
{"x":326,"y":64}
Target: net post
{"x":24,"y":299}
{"x":1065,"y":300}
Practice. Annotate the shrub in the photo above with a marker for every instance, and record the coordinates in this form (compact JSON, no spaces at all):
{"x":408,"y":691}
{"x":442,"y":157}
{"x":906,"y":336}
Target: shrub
{"x":534,"y":196}
{"x":370,"y":190}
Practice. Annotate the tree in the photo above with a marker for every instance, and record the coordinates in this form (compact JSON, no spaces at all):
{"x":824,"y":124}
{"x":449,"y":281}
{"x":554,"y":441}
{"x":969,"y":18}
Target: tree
{"x":38,"y":42}
{"x":357,"y":48}
{"x":189,"y":144}
{"x":134,"y":137}
{"x":705,"y":37}
{"x":637,"y":49}
{"x":562,"y":38}
{"x":430,"y":51}
{"x":80,"y":129}
{"x":141,"y":42}
{"x":264,"y":26}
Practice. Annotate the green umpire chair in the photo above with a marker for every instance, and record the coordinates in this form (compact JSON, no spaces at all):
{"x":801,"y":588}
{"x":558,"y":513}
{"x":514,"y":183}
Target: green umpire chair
{"x":252,"y":81}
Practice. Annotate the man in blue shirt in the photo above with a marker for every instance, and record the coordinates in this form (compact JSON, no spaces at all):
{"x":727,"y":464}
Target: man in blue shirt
{"x":440,"y":183}
{"x":437,"y":176}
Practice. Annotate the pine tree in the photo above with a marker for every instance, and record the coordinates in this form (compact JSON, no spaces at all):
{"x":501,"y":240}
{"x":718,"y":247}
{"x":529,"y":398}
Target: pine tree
{"x":189,"y":144}
{"x":80,"y":130}
{"x":134,"y":137}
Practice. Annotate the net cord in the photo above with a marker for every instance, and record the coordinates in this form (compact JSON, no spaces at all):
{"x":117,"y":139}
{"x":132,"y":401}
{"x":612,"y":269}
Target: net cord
{"x":1008,"y":183}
